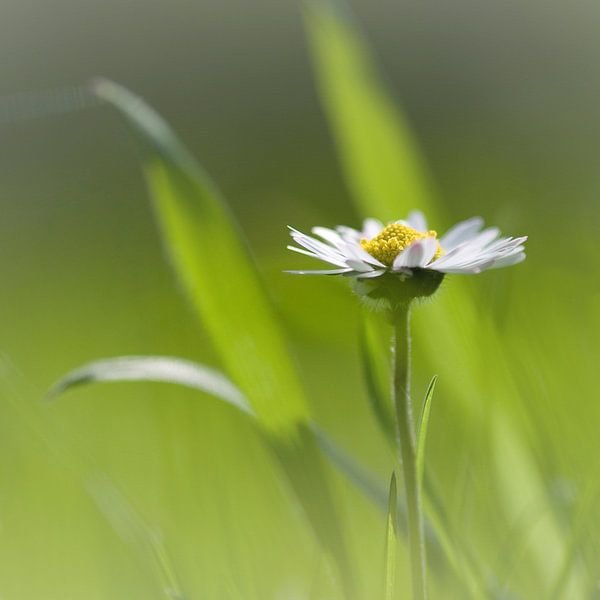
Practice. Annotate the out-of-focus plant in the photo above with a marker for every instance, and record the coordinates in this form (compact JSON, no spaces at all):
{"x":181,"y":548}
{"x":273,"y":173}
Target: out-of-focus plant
{"x":385,"y":176}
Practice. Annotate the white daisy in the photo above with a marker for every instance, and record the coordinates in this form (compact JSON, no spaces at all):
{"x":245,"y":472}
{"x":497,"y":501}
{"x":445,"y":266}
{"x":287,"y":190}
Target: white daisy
{"x":402,"y":246}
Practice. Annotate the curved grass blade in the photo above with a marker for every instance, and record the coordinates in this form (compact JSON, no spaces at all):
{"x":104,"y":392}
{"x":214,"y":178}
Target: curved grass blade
{"x":164,"y":369}
{"x":423,"y":424}
{"x":216,"y":271}
{"x":130,"y":526}
{"x":441,"y":540}
{"x":522,"y":488}
{"x":363,"y":479}
{"x":384,"y":171}
{"x":588,"y":503}
{"x":214,"y":265}
{"x":391,"y":542}
{"x":373,"y":139}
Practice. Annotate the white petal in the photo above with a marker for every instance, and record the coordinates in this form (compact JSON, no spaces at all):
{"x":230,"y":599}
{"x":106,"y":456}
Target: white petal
{"x":468,"y":270}
{"x":324,"y":272}
{"x":508,"y":261}
{"x":416,"y":220}
{"x":371,"y":228}
{"x":358,"y":252}
{"x":329,"y":235}
{"x":418,"y":254}
{"x":359,"y":265}
{"x":487,"y":236}
{"x":471,"y":250}
{"x":376,"y":273}
{"x":339,"y":263}
{"x":460,"y":232}
{"x":348,"y":234}
{"x":324,"y":251}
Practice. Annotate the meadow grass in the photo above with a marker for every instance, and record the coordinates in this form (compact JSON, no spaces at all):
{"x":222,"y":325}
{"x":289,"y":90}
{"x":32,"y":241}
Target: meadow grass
{"x":281,"y":491}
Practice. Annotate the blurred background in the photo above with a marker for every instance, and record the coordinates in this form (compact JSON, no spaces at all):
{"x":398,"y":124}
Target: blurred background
{"x":503,"y":99}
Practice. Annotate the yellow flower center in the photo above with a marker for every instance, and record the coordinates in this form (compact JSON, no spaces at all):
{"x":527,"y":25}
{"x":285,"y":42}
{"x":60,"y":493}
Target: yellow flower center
{"x":393,"y":239}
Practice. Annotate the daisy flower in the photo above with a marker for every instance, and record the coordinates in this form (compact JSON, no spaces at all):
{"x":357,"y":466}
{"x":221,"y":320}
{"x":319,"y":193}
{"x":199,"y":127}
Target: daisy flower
{"x":407,"y":247}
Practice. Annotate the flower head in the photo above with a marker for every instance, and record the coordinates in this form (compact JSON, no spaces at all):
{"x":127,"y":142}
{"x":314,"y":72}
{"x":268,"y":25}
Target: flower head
{"x":407,"y":251}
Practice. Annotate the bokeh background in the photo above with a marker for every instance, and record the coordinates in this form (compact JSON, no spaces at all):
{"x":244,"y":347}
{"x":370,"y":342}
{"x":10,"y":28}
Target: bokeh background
{"x":503,"y":99}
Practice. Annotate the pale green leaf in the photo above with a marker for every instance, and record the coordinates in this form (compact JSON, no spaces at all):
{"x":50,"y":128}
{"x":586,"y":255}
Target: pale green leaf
{"x":133,"y":530}
{"x":212,"y":261}
{"x":391,"y":542}
{"x":362,"y":478}
{"x":164,"y":369}
{"x":375,"y":144}
{"x":371,"y":359}
{"x":422,"y":431}
{"x":442,"y":542}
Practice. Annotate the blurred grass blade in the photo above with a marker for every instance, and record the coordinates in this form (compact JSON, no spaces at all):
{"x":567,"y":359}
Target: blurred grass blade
{"x":214,"y":265}
{"x":164,"y":369}
{"x":522,"y":489}
{"x":369,"y":347}
{"x":422,"y":431}
{"x":442,"y":542}
{"x":386,"y":177}
{"x":363,"y":479}
{"x":212,"y":261}
{"x":391,"y":542}
{"x":383,"y":170}
{"x":133,"y":530}
{"x":26,"y":106}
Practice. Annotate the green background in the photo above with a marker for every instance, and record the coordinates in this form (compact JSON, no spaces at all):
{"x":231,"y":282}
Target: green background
{"x":503,"y":99}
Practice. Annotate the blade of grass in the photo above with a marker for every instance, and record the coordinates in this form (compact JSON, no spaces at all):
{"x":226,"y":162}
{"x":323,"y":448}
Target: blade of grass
{"x":391,"y":542}
{"x":386,"y":177}
{"x":384,"y":172}
{"x":363,"y":479}
{"x":373,"y":139}
{"x":154,"y":368}
{"x":422,"y":431}
{"x":214,"y":265}
{"x":380,"y":403}
{"x":130,"y":526}
{"x":441,"y":539}
{"x":523,"y":492}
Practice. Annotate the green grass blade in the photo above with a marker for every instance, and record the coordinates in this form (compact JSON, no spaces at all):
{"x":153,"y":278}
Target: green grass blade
{"x":212,"y":261}
{"x":422,"y":431}
{"x":164,"y":369}
{"x":363,"y":479}
{"x":441,"y":540}
{"x":132,"y":528}
{"x":380,"y":404}
{"x":391,"y":542}
{"x":215,"y":268}
{"x":375,"y":145}
{"x":522,"y":489}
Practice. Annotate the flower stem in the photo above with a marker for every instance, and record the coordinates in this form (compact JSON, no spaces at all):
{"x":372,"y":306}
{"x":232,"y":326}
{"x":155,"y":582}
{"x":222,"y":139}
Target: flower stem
{"x":405,"y":431}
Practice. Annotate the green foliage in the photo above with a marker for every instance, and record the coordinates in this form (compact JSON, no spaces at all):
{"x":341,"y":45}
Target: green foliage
{"x":385,"y":174}
{"x":373,"y":359}
{"x":374,"y":141}
{"x":154,"y":368}
{"x":143,"y":492}
{"x":391,"y":542}
{"x":215,"y":267}
{"x":211,"y":260}
{"x":422,"y":429}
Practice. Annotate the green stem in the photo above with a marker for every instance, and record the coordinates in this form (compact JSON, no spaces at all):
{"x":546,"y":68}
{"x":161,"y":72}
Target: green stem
{"x":405,"y":430}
